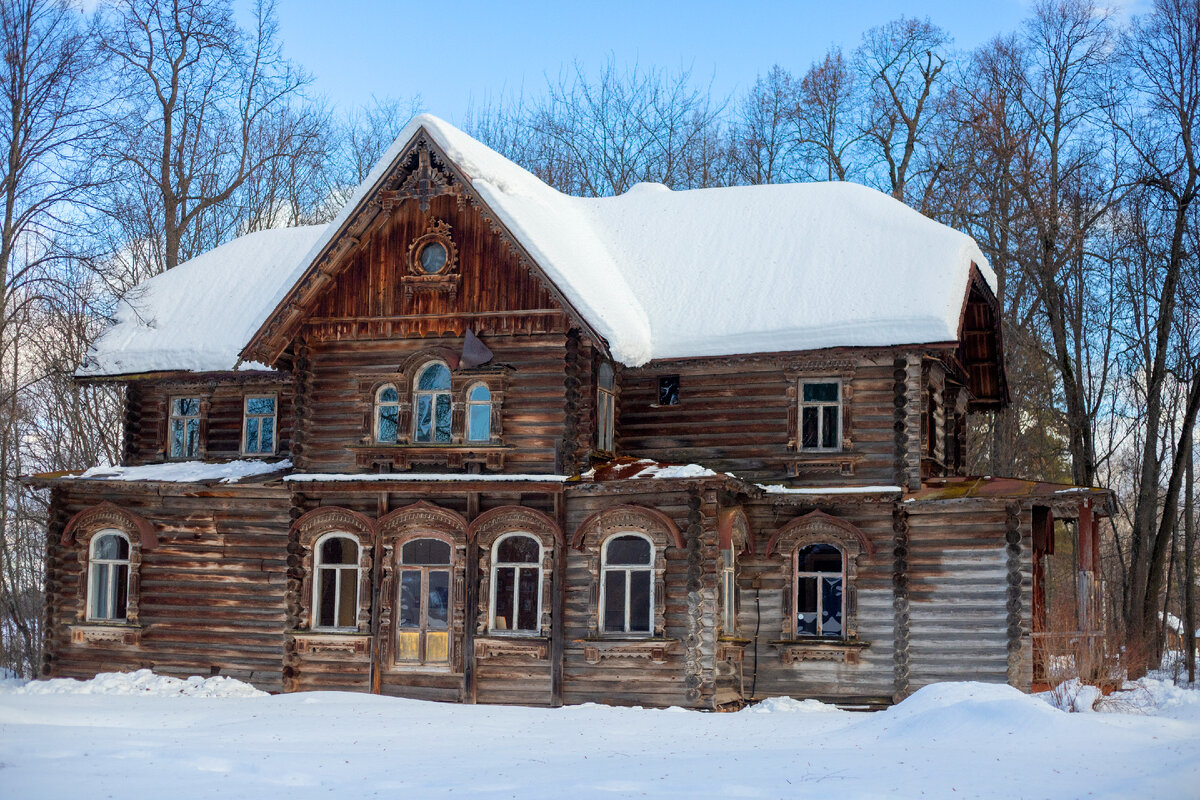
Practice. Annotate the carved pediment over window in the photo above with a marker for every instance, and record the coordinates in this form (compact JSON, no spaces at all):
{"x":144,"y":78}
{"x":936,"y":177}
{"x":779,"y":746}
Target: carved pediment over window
{"x":432,"y":262}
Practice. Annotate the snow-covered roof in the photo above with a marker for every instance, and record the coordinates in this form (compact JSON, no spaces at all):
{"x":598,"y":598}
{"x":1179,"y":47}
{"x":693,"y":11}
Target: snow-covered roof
{"x":657,"y":273}
{"x":189,"y":471}
{"x":198,"y":316}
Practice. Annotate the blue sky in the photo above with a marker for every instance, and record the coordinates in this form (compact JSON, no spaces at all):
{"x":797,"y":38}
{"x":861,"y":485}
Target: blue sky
{"x":458,"y":52}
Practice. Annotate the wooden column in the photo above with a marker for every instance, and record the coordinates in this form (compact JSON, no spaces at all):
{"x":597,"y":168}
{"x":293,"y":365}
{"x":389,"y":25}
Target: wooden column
{"x":470,"y":689}
{"x":557,"y":603}
{"x":376,"y":599}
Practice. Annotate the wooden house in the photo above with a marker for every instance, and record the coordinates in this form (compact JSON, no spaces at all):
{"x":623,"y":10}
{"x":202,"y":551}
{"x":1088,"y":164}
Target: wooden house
{"x":479,"y":441}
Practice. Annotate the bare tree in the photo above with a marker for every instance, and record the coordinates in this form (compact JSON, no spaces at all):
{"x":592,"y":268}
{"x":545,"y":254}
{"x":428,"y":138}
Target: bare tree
{"x":763,"y":129}
{"x":901,"y":63}
{"x":208,"y":106}
{"x":824,"y":118}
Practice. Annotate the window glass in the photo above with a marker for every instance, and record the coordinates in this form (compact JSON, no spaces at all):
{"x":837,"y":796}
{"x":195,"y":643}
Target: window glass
{"x":479,"y":414}
{"x":410,"y":599}
{"x":260,"y":425}
{"x":425,"y":551}
{"x":819,"y":583}
{"x":433,"y":257}
{"x":820,"y":415}
{"x":336,"y":603}
{"x":435,"y":376}
{"x":439,"y":599}
{"x":518,"y":549}
{"x":614,"y":601}
{"x":628,"y":550}
{"x":108,"y":578}
{"x":185,"y":427}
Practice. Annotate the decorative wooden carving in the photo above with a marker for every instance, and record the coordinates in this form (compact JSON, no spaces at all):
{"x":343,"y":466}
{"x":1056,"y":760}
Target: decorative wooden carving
{"x":422,"y":184}
{"x":655,"y":650}
{"x":490,"y":526}
{"x":107,"y":515}
{"x":349,"y":643}
{"x":447,"y":279}
{"x":401,"y":458}
{"x":791,"y":652}
{"x":126,"y":635}
{"x":498,"y":648}
{"x":658,"y":526}
{"x":307,"y":530}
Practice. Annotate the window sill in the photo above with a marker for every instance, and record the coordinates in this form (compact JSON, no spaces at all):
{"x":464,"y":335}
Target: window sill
{"x":651,"y":649}
{"x":402,"y":457}
{"x":499,"y":645}
{"x":121,"y":633}
{"x":332,"y":641}
{"x":845,"y":651}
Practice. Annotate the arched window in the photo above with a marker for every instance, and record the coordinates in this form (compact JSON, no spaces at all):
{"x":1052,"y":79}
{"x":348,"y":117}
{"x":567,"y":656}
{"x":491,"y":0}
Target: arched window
{"x":479,"y":414}
{"x":431,"y":404}
{"x":335,"y":604}
{"x":820,"y":577}
{"x":387,"y":414}
{"x":516,"y":584}
{"x":423,"y":624}
{"x":605,"y":406}
{"x":627,"y":584}
{"x":108,"y":577}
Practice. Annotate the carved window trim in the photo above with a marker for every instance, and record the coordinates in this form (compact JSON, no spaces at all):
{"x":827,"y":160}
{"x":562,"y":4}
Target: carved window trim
{"x":733,"y":537}
{"x":247,"y":416}
{"x":377,"y":408}
{"x":201,"y":417}
{"x":598,"y":528}
{"x":417,"y":394}
{"x":469,"y":402}
{"x":650,"y":566}
{"x":821,"y":371}
{"x":817,"y":527}
{"x":307,"y":531}
{"x":339,"y":571}
{"x":539,"y":603}
{"x":458,"y":451}
{"x":113,"y":564}
{"x":79,"y":532}
{"x":421,"y":520}
{"x":486,"y":530}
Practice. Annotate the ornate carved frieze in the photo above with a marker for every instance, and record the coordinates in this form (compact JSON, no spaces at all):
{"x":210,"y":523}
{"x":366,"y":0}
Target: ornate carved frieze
{"x":791,"y":652}
{"x":350,"y":644}
{"x":655,"y":650}
{"x":538,"y":650}
{"x":126,"y":635}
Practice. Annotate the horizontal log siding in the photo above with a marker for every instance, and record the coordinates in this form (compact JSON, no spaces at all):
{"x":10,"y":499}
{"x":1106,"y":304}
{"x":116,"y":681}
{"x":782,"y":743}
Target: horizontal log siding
{"x":957,"y":585}
{"x":532,"y":414}
{"x":148,"y":413}
{"x":733,"y":416}
{"x":212,"y":592}
{"x":872,"y":677}
{"x":639,"y":681}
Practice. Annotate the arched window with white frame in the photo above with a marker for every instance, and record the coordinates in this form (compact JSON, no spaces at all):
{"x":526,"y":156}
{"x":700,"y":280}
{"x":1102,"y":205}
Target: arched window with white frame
{"x":335,"y":590}
{"x":108,"y":577}
{"x":627,"y":585}
{"x":432,"y":404}
{"x":387,"y":414}
{"x":820,"y":579}
{"x":479,"y":413}
{"x":516,"y":584}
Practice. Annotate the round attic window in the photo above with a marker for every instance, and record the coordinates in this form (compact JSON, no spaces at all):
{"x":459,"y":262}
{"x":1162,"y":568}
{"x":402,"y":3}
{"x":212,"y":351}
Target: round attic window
{"x":432,"y":258}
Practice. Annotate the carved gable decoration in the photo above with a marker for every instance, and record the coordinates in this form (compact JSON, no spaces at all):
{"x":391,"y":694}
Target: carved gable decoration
{"x":107,"y":515}
{"x":429,"y":179}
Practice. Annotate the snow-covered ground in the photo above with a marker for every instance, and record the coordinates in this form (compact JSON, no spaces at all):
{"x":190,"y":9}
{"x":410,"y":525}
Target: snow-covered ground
{"x":144,"y":736}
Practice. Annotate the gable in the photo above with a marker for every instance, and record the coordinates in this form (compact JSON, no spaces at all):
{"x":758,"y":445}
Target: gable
{"x":362,"y":272}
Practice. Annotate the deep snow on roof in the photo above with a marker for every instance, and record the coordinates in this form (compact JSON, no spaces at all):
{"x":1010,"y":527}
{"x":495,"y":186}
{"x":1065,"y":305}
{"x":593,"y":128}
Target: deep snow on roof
{"x":199,"y":315}
{"x":657,"y":273}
